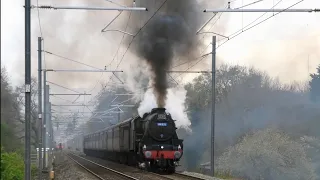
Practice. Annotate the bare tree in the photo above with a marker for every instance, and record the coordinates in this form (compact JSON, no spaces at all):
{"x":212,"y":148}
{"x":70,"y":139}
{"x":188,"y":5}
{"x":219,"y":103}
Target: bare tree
{"x":10,"y":115}
{"x":34,"y":110}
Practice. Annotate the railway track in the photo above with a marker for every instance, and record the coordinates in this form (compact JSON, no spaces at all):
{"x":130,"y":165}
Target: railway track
{"x":137,"y":173}
{"x":99,"y":171}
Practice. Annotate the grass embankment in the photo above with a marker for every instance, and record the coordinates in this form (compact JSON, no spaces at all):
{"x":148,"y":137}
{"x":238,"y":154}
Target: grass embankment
{"x":226,"y":176}
{"x":220,"y":175}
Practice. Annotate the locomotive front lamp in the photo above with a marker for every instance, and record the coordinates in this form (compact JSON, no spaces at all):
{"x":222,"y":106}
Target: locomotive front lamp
{"x":179,"y":147}
{"x":177,"y":154}
{"x":144,"y":147}
{"x":147,"y":154}
{"x":161,"y":147}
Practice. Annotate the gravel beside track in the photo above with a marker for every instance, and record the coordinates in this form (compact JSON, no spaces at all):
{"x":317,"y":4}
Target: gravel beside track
{"x":202,"y":176}
{"x":104,"y":173}
{"x":178,"y":176}
{"x":66,"y":169}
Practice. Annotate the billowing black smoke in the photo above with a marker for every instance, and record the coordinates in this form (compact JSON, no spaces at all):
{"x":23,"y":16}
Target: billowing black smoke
{"x":157,"y":46}
{"x":170,"y":34}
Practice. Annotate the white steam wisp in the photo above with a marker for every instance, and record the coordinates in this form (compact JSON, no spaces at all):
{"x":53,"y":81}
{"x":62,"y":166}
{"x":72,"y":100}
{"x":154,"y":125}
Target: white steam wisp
{"x":175,"y":105}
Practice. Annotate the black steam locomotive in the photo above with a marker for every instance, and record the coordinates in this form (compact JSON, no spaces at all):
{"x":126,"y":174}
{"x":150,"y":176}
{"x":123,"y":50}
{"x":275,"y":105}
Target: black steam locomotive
{"x":151,"y":142}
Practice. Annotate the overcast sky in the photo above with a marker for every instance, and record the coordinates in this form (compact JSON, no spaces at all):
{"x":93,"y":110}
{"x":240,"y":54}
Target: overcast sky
{"x":286,"y":46}
{"x":287,"y":39}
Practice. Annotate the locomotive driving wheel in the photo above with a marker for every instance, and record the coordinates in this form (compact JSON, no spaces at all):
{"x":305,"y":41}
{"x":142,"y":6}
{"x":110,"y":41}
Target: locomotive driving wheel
{"x":171,"y":167}
{"x":150,"y":166}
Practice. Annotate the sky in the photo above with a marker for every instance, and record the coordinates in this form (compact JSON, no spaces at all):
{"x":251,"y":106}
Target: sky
{"x":286,"y":46}
{"x":289,"y":42}
{"x":282,"y":46}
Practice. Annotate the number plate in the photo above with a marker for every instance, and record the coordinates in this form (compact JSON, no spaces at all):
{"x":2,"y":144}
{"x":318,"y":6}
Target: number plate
{"x":162,"y":116}
{"x":162,"y":124}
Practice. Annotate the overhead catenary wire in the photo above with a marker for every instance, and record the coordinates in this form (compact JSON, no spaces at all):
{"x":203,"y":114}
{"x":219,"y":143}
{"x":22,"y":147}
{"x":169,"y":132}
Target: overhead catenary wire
{"x":112,"y":2}
{"x":63,"y":87}
{"x":51,"y":53}
{"x":127,"y":25}
{"x":244,"y":30}
{"x":140,"y":31}
{"x":115,"y":53}
{"x":133,"y":38}
{"x":103,"y":30}
{"x":201,"y":57}
{"x":78,"y":61}
{"x":178,"y":65}
{"x":44,"y":55}
{"x":198,"y":32}
{"x":117,"y":48}
{"x":61,"y":98}
{"x":39,"y":20}
{"x":248,"y":4}
{"x":259,"y":17}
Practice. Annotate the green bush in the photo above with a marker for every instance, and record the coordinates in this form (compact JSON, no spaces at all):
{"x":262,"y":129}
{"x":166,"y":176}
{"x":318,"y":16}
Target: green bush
{"x":8,"y":138}
{"x":12,"y":166}
{"x":34,"y":171}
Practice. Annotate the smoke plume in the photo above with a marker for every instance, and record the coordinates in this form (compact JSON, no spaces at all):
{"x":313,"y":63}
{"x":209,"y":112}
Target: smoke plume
{"x":170,"y":34}
{"x":158,"y":43}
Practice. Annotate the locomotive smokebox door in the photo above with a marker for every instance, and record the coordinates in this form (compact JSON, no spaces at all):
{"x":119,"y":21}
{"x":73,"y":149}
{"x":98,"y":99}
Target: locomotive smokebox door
{"x":161,"y":126}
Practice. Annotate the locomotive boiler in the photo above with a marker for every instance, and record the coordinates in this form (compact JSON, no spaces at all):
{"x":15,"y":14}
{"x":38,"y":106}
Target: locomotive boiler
{"x":150,"y":142}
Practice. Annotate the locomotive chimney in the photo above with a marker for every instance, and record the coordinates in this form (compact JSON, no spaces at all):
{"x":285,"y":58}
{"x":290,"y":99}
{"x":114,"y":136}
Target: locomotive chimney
{"x":158,"y":110}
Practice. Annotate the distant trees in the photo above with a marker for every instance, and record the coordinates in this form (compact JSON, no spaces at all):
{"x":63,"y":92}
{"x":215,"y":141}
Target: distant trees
{"x":315,"y":86}
{"x":234,"y":87}
{"x":246,"y":100}
{"x":267,"y":154}
{"x":10,"y":115}
{"x":107,"y":98}
{"x":34,"y":111}
{"x":71,"y":126}
{"x":12,"y":131}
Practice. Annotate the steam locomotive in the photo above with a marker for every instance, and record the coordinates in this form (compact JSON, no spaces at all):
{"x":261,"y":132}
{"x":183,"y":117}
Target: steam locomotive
{"x":150,"y":142}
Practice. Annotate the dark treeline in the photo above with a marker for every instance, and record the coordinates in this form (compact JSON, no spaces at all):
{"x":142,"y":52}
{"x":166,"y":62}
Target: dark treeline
{"x":248,"y":100}
{"x":12,"y":127}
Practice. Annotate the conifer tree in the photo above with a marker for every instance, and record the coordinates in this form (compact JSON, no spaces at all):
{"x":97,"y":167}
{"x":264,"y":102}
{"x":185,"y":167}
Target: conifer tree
{"x":315,"y":86}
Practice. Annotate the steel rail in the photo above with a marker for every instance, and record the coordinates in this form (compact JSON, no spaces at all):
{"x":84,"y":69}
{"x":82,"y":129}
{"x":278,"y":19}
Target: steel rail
{"x":109,"y":169}
{"x":96,"y":175}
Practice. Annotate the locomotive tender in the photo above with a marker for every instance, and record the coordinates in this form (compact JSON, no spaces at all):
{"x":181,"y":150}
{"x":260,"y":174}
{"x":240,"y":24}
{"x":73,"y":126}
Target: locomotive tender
{"x":151,"y":142}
